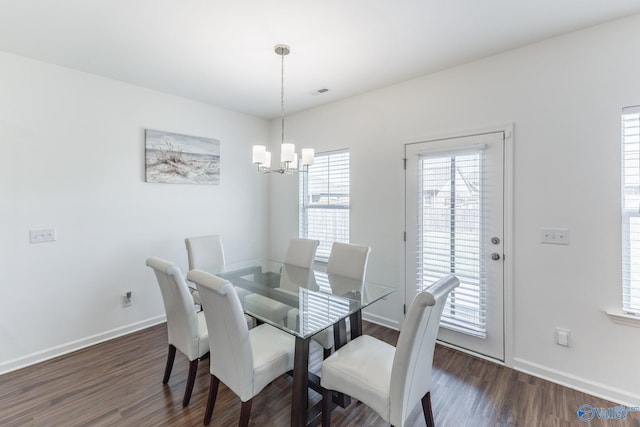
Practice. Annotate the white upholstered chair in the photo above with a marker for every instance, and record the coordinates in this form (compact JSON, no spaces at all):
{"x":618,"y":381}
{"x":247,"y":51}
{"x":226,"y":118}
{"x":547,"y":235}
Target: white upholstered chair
{"x":187,"y":330}
{"x":391,"y":380}
{"x":298,"y":262}
{"x":205,"y":253}
{"x":346,"y":260}
{"x":245,"y":360}
{"x":301,"y":252}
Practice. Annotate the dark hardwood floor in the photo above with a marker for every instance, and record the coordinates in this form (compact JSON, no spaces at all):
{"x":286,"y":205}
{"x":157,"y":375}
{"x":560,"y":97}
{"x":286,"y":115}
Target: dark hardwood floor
{"x":119,"y":383}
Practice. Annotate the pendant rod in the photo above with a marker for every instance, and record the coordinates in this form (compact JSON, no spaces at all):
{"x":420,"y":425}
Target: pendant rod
{"x":282,"y":54}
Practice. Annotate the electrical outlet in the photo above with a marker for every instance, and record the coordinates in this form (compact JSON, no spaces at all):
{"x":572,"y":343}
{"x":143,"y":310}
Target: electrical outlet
{"x":42,"y":235}
{"x":126,"y":299}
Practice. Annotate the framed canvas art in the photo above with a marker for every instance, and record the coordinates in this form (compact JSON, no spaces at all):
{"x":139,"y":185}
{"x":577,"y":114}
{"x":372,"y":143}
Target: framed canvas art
{"x":181,"y":159}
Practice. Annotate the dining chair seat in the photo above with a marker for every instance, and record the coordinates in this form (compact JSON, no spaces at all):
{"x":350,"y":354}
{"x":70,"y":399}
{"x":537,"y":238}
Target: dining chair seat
{"x":266,"y":307}
{"x":272,"y":352}
{"x":362,"y":369}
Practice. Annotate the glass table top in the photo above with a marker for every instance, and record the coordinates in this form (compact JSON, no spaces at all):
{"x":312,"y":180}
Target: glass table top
{"x":298,"y":300}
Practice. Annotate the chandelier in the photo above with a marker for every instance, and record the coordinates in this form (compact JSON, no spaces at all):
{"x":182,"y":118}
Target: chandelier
{"x":289,"y":162}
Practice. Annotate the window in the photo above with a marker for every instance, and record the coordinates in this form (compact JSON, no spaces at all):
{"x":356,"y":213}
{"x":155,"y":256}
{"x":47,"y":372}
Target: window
{"x":631,"y":210}
{"x":324,"y":201}
{"x":449,"y":234}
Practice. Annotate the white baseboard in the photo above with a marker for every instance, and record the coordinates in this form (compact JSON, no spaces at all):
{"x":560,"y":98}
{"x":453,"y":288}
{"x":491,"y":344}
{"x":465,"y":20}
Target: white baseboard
{"x":380,"y":320}
{"x":50,"y":353}
{"x":622,"y":397}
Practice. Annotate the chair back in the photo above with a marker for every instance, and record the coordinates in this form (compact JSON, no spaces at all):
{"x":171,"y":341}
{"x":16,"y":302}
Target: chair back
{"x":205,"y":253}
{"x":231,"y":353}
{"x":301,"y":252}
{"x":411,"y":371}
{"x":348,"y":260}
{"x":182,"y":320}
{"x":293,"y":277}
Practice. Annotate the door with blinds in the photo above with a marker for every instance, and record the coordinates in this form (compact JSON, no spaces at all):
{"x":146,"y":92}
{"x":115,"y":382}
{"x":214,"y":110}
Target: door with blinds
{"x":455,"y":223}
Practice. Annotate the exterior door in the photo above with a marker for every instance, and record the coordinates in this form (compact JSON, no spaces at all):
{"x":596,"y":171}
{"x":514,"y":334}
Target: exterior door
{"x":455,"y":225}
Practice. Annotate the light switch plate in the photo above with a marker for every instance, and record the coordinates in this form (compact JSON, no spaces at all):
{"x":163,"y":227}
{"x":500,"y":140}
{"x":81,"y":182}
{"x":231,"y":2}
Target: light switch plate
{"x":562,"y":337}
{"x":554,"y":236}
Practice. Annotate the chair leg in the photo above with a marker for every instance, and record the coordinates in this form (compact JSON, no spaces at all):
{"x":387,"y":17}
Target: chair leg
{"x":211,"y":401}
{"x":170,"y":357}
{"x":426,"y":408}
{"x":326,"y":353}
{"x":191,"y":379}
{"x":326,"y":405}
{"x":245,"y":413}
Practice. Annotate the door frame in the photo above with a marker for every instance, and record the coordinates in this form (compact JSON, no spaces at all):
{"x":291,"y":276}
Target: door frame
{"x":508,"y":238}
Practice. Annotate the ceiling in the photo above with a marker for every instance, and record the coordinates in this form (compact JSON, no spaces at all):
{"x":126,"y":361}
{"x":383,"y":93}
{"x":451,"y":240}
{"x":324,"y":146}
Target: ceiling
{"x":221,"y":52}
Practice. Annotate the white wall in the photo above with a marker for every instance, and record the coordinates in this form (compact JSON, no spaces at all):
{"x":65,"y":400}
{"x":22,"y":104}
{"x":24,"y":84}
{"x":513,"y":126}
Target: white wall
{"x":564,"y":97}
{"x":72,"y":158}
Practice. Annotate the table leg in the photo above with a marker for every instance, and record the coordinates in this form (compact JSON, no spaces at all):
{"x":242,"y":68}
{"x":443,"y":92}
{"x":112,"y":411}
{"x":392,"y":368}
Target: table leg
{"x":340,"y":339}
{"x":356,"y":324}
{"x":340,"y":334}
{"x":299,"y":391}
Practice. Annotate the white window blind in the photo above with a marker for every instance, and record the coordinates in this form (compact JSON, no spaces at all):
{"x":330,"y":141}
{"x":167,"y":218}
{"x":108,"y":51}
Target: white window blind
{"x":324,"y":201}
{"x":631,"y":209}
{"x":449,"y":235}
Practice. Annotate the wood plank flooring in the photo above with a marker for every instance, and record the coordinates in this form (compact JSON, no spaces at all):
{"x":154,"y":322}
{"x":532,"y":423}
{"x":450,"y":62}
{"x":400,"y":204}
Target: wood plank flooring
{"x":119,"y":383}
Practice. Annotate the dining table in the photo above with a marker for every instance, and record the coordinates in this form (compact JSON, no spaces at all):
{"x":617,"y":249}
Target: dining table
{"x":303,"y":302}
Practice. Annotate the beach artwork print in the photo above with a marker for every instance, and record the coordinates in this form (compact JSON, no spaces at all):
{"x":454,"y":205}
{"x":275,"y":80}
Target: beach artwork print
{"x":181,"y":159}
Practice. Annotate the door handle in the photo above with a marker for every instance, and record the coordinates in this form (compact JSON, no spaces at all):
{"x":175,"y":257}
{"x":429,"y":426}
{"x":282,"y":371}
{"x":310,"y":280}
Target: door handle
{"x":495,"y":256}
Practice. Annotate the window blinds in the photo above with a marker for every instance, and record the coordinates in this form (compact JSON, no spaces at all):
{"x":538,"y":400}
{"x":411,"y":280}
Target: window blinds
{"x":631,"y":209}
{"x":449,"y":235}
{"x":324,"y":201}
